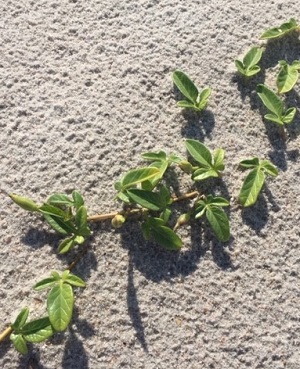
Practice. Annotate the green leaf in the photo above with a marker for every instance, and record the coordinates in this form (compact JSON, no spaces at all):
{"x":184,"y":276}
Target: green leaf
{"x":165,"y":215}
{"x":154,"y":156}
{"x":44,"y":283}
{"x":24,"y":202}
{"x":218,"y":221}
{"x":136,"y":176}
{"x":286,"y":78}
{"x":147,"y":199}
{"x":253,"y":70}
{"x":289,"y":115}
{"x":251,"y":187}
{"x":200,"y":209}
{"x":66,"y":245}
{"x":250,"y":163}
{"x":185,"y":86}
{"x":78,"y":199}
{"x":60,"y":304}
{"x":204,"y":173}
{"x":146,"y":230}
{"x":37,"y":330}
{"x":274,"y":118}
{"x":186,"y":104}
{"x":64,"y":227}
{"x":270,"y":100}
{"x":173,"y":158}
{"x":199,"y":152}
{"x":75,"y":281}
{"x":19,"y":343}
{"x":166,"y":237}
{"x":240,"y":67}
{"x":20,"y":319}
{"x":252,"y":57}
{"x":47,"y":209}
{"x":60,"y":199}
{"x":203,"y":98}
{"x":219,"y":159}
{"x":269,"y":168}
{"x":217,"y":201}
{"x":81,"y":222}
{"x":79,"y":240}
{"x":279,"y":31}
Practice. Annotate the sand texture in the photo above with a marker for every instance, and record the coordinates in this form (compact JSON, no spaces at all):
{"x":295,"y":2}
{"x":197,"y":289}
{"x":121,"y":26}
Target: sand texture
{"x":85,"y":89}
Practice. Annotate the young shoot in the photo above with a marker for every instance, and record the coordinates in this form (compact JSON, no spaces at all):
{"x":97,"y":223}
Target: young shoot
{"x":277,"y":112}
{"x":255,"y":180}
{"x":211,"y":207}
{"x":248,"y":67}
{"x":195,"y":99}
{"x":207,"y":164}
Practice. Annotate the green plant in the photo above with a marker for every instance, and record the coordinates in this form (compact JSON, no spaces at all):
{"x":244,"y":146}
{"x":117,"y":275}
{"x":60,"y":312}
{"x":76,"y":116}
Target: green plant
{"x":288,"y":76}
{"x":248,"y":67}
{"x":282,"y":30}
{"x":195,"y":99}
{"x":272,"y":102}
{"x":255,"y":180}
{"x":66,"y":215}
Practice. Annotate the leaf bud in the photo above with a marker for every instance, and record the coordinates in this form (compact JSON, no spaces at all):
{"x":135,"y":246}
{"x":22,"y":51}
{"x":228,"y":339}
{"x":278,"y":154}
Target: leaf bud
{"x":186,"y":166}
{"x":24,"y":202}
{"x":117,"y":221}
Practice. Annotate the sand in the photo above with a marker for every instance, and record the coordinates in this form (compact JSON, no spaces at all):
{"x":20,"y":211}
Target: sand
{"x":85,"y":89}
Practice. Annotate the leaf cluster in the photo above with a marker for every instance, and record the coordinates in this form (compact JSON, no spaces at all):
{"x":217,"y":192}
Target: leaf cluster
{"x":280,"y":31}
{"x":249,"y":65}
{"x":255,"y":180}
{"x":195,"y":99}
{"x":66,"y":215}
{"x":60,"y":303}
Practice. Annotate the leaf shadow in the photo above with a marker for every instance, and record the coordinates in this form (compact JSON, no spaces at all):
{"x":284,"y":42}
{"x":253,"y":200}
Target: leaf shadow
{"x":75,"y":355}
{"x":257,"y":216}
{"x":247,"y":86}
{"x":32,"y":360}
{"x":198,"y":125}
{"x":284,"y":48}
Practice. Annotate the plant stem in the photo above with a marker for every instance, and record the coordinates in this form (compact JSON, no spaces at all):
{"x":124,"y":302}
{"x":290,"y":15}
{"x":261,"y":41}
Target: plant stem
{"x":102,"y":217}
{"x":5,"y":333}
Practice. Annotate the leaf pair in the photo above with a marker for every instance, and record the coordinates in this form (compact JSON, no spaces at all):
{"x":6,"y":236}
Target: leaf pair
{"x":154,"y":201}
{"x":280,"y":31}
{"x":162,"y":234}
{"x":208,"y":165}
{"x":60,"y":301}
{"x":35,"y":331}
{"x":248,"y":67}
{"x":288,"y":76}
{"x":211,"y":207}
{"x":195,"y":99}
{"x":254,"y":181}
{"x":67,"y":216}
{"x":272,"y":102}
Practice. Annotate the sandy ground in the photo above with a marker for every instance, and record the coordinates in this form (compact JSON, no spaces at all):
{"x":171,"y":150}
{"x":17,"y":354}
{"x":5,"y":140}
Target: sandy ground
{"x":85,"y":89}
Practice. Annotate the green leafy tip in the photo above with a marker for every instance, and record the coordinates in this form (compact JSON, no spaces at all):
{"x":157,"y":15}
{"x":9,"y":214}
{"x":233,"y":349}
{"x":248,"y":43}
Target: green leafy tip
{"x":280,"y":31}
{"x":248,"y":67}
{"x":254,"y":181}
{"x":208,"y":165}
{"x":211,"y":207}
{"x":196,"y":100}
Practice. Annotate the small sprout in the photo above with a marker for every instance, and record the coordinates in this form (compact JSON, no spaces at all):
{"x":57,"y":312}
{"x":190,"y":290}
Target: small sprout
{"x":272,"y":102}
{"x":196,"y":100}
{"x":186,"y":166}
{"x":211,"y":207}
{"x":248,"y":67}
{"x":282,"y":30}
{"x":118,"y":221}
{"x":60,"y":301}
{"x":208,"y":165}
{"x":288,"y":76}
{"x":254,"y":181}
{"x":182,"y":220}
